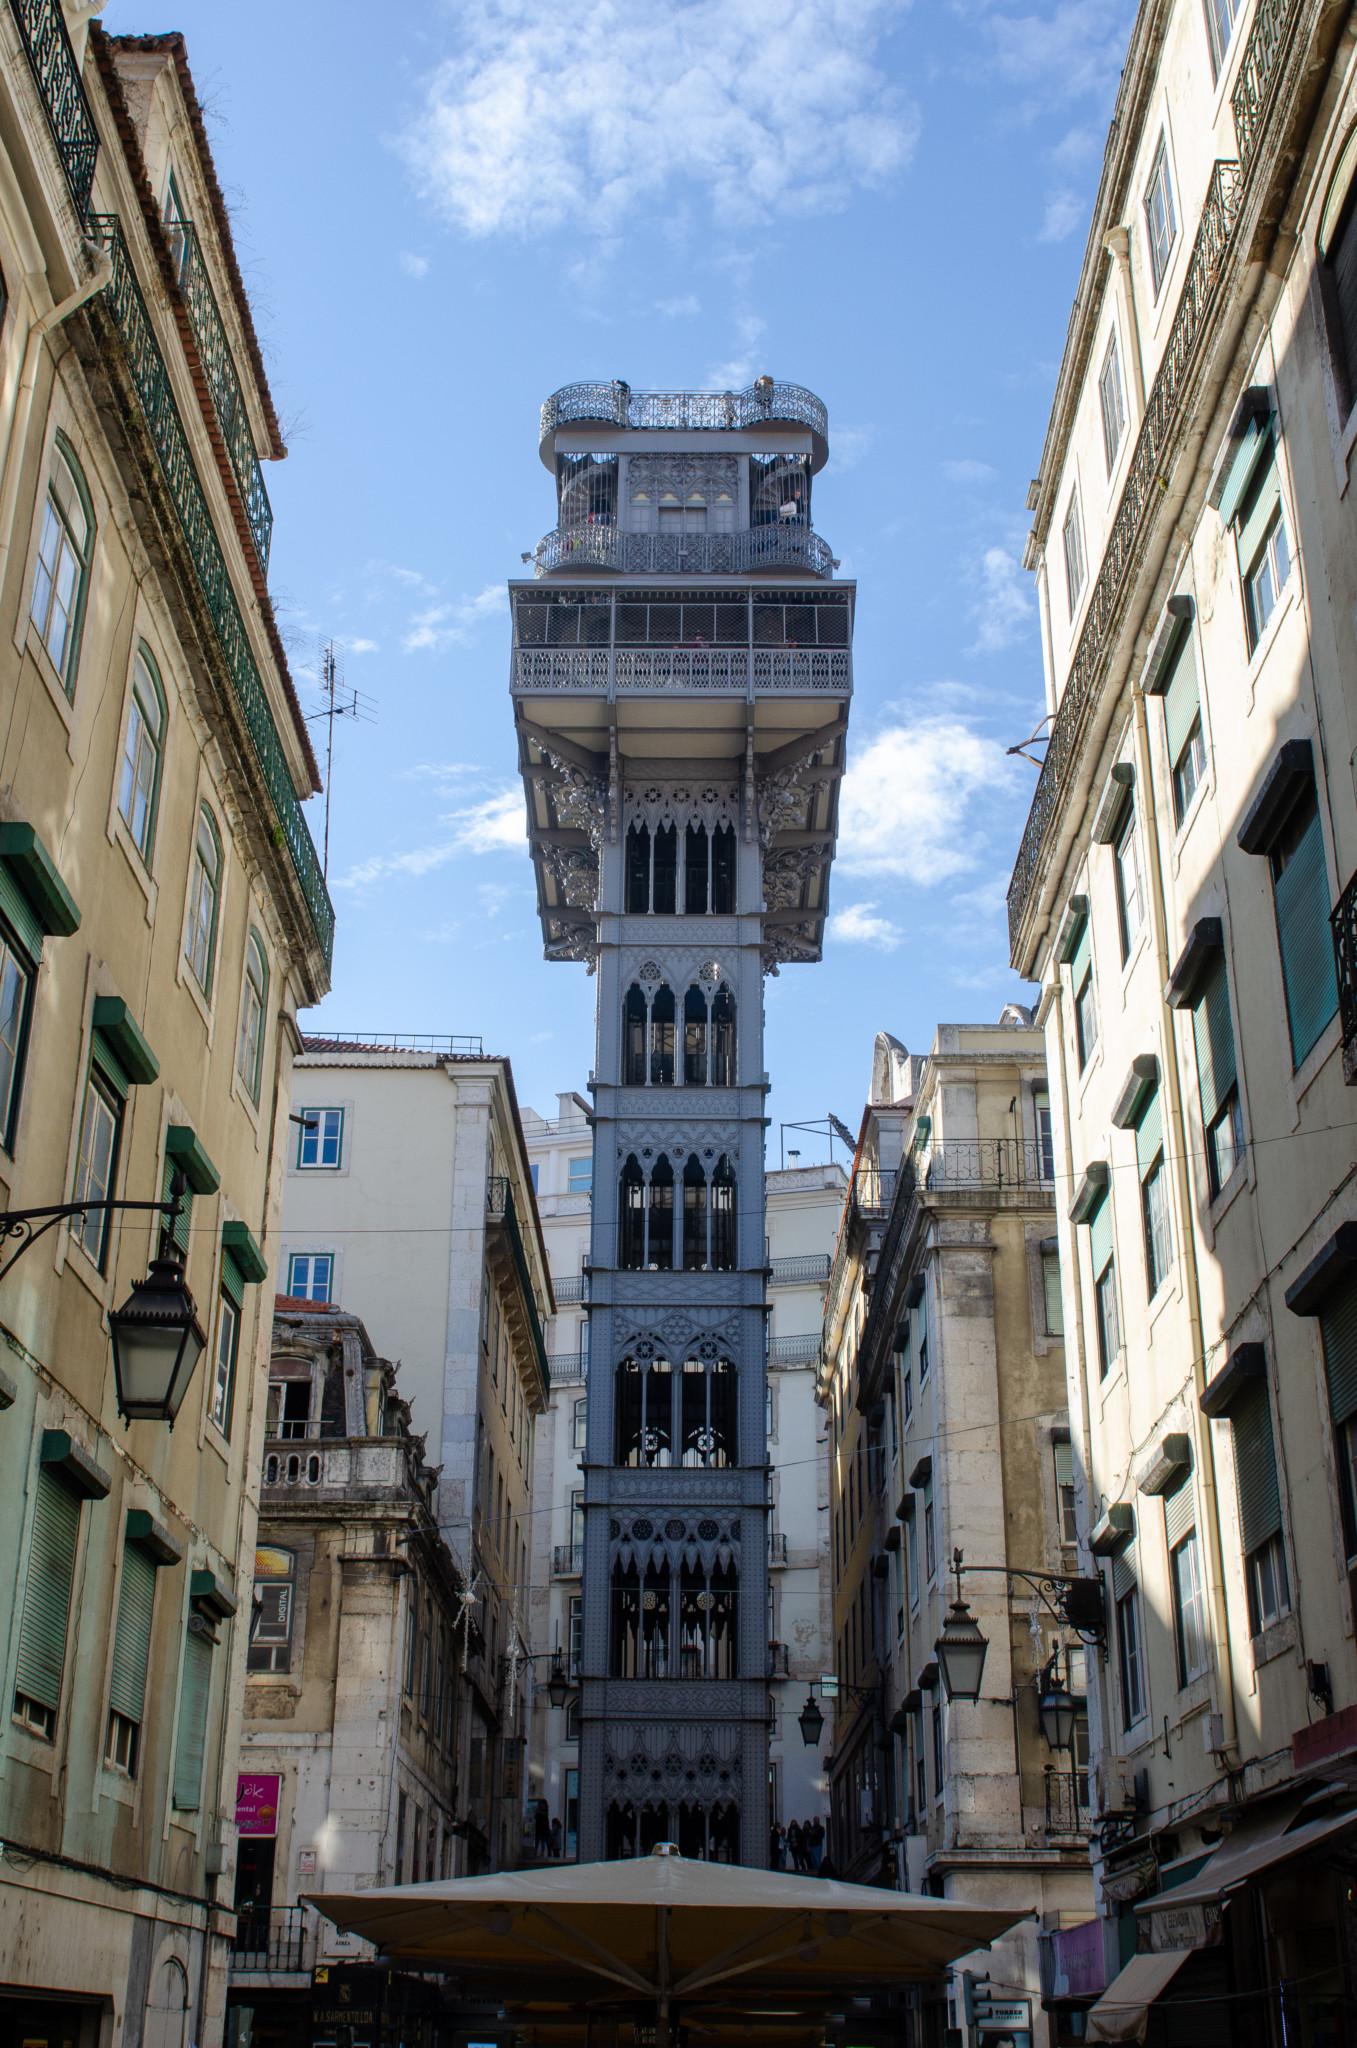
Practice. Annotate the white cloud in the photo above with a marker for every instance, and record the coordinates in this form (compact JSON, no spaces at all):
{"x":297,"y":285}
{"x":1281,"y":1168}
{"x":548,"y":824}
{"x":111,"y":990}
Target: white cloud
{"x":496,"y":825}
{"x":1077,"y":47}
{"x":1002,"y":606}
{"x":848,"y":445}
{"x":360,"y":647}
{"x":967,"y":472}
{"x":448,"y":625}
{"x":1064,"y":211}
{"x":740,"y":369}
{"x":677,"y":309}
{"x":544,"y":114}
{"x":413,"y":266}
{"x":858,"y":926}
{"x":907,"y":796}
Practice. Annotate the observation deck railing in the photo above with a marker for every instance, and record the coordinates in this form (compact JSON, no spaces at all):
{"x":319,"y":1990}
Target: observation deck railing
{"x":774,"y":548}
{"x":701,"y":411}
{"x":641,"y":670}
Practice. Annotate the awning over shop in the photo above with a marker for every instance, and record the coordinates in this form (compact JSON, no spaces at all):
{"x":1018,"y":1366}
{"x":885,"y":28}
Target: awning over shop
{"x":1243,"y":1857}
{"x":1122,"y":2012}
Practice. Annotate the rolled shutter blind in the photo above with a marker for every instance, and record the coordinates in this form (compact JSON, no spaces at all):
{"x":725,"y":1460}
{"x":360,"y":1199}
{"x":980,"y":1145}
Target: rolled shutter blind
{"x":232,"y":1281}
{"x":189,"y":1743}
{"x":1181,"y":697}
{"x":1255,"y":1464}
{"x":1214,"y":1037}
{"x":132,"y":1636}
{"x":17,"y":912}
{"x":1255,"y":514}
{"x":1124,"y":1572}
{"x":1150,"y":1134}
{"x":1100,"y":1235}
{"x":1338,"y":1328}
{"x":1306,"y":942}
{"x":1180,"y":1513}
{"x":47,"y":1592}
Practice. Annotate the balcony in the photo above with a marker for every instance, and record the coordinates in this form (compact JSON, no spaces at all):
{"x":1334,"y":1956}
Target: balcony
{"x":685,"y":411}
{"x":567,"y":1291}
{"x":294,"y":1468}
{"x":780,"y":549}
{"x":123,"y":303}
{"x":777,"y":1548}
{"x":1344,"y":923}
{"x":990,"y":1163}
{"x":567,"y":1561}
{"x":1273,"y":22}
{"x":563,"y":1367}
{"x":272,"y":1938}
{"x":788,"y":1351}
{"x":811,"y":1269}
{"x":1067,"y":1810}
{"x":223,"y":383}
{"x":643,"y":671}
{"x":1126,"y":543}
{"x":42,"y":30}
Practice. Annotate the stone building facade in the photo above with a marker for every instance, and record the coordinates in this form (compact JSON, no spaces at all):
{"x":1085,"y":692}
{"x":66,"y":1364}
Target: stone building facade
{"x":408,"y":1198}
{"x":943,"y":1374}
{"x":162,"y":920}
{"x":681,"y":669}
{"x":1184,"y":895}
{"x":359,"y":1629}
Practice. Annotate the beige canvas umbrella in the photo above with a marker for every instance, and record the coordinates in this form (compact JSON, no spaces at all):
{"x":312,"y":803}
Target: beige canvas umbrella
{"x":667,"y":1931}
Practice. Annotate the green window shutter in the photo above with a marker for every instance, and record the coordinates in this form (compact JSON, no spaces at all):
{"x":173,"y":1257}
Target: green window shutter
{"x":1100,"y":1236}
{"x":1181,"y":696}
{"x":1214,"y":1038}
{"x":105,"y":1057}
{"x":1303,"y":933}
{"x":1338,"y":1328}
{"x":192,"y":1734}
{"x":132,"y":1636}
{"x":47,"y":1592}
{"x":1150,"y":1134}
{"x":185,"y":1219}
{"x":18,"y":914}
{"x":1260,"y":502}
{"x":232,"y":1281}
{"x":1255,"y":1465}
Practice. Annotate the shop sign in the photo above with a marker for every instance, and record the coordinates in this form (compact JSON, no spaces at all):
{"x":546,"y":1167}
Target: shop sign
{"x":1005,"y":2014}
{"x":257,"y":1802}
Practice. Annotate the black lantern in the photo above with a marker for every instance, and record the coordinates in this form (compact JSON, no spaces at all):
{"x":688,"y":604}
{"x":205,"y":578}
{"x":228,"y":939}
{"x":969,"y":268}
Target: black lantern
{"x":960,"y":1651}
{"x":1057,"y":1711}
{"x":558,"y":1685}
{"x":811,"y":1722}
{"x":157,"y":1342}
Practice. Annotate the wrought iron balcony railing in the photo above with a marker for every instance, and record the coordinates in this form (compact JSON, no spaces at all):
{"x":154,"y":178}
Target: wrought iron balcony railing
{"x":778,"y":548}
{"x":1344,"y":923}
{"x":567,"y":1560}
{"x":1145,"y":483}
{"x":1067,"y":1808}
{"x":271,"y":1938}
{"x":989,"y":1163}
{"x":702,"y":411}
{"x":499,"y":1204}
{"x":568,"y":1290}
{"x":811,"y":1266}
{"x":224,"y":383}
{"x":42,"y":30}
{"x":803,"y":1350}
{"x":567,"y":1366}
{"x":127,"y":309}
{"x":642,"y":670}
{"x":1269,"y":34}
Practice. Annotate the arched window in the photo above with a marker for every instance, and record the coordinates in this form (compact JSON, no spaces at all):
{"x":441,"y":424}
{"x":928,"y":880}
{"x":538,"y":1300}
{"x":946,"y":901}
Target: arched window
{"x":723,"y":870}
{"x":660,"y":1242}
{"x":634,"y":1038}
{"x":707,"y":1421}
{"x":694,"y":1215}
{"x":723,"y":1039}
{"x":723,"y":1217}
{"x":631,"y":1218}
{"x":708,"y":1605}
{"x":694,"y":1038}
{"x":65,"y":548}
{"x":645,"y":1412}
{"x":640,"y":1646}
{"x":143,"y":754}
{"x":662,"y":1038}
{"x":200,"y":941}
{"x":696,"y":870}
{"x":638,"y":869}
{"x":253,"y":1002}
{"x":663,"y":897}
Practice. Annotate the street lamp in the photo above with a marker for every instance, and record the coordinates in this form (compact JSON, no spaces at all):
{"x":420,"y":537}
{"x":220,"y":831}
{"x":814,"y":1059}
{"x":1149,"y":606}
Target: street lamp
{"x":960,"y":1651}
{"x":811,"y":1722}
{"x":1056,"y":1709}
{"x":558,"y":1685}
{"x":157,"y":1342}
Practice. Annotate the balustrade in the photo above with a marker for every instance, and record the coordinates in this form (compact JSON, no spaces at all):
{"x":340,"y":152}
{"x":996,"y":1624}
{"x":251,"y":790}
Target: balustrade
{"x":223,"y":382}
{"x":47,"y":45}
{"x":689,"y":411}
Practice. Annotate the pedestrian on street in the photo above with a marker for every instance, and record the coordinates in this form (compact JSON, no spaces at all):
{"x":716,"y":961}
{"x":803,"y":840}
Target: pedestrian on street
{"x":777,"y":1847}
{"x":556,"y":1837}
{"x":795,"y":1845}
{"x":827,"y":1867}
{"x":815,"y":1841}
{"x":542,"y":1829}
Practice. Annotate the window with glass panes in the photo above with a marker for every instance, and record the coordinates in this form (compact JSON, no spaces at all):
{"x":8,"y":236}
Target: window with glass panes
{"x":253,"y":999}
{"x":1221,"y":16}
{"x":1187,"y":1587}
{"x":309,"y":1275}
{"x":139,"y":783}
{"x":1130,"y":1666}
{"x":1072,"y":541}
{"x":1178,"y":686}
{"x":1217,"y":1076}
{"x":1041,"y":1103}
{"x":1106,"y":1317}
{"x":1260,"y":1507}
{"x":1052,"y":1300}
{"x":1062,"y":1453}
{"x":582,"y":1174}
{"x":1130,"y":882}
{"x":320,"y":1142}
{"x":1154,"y":1194}
{"x":1161,"y":220}
{"x":200,"y":939}
{"x":96,"y":1163}
{"x":65,"y":548}
{"x":226,"y":1343}
{"x":16,"y":991}
{"x":1085,"y":998}
{"x":1112,"y":402}
{"x":1262,"y":540}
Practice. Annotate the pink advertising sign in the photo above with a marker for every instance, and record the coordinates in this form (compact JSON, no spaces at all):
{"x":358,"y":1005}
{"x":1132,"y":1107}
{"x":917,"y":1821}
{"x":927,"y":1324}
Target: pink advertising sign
{"x":257,"y":1803}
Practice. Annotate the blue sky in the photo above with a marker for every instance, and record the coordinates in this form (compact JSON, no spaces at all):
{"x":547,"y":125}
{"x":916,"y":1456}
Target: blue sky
{"x":444,"y":212}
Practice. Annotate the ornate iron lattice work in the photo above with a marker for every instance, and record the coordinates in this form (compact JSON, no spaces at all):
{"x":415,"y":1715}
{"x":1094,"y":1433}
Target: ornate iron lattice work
{"x":682,"y":554}
{"x":683,"y":1763}
{"x":209,"y":332}
{"x":1145,"y":483}
{"x":42,"y":30}
{"x":643,"y":669}
{"x":1269,"y":36}
{"x":126,"y":308}
{"x":691,"y":410}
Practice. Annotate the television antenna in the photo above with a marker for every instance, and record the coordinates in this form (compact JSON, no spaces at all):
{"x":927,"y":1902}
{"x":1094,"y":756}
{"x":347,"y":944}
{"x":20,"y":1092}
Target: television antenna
{"x":338,"y":700}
